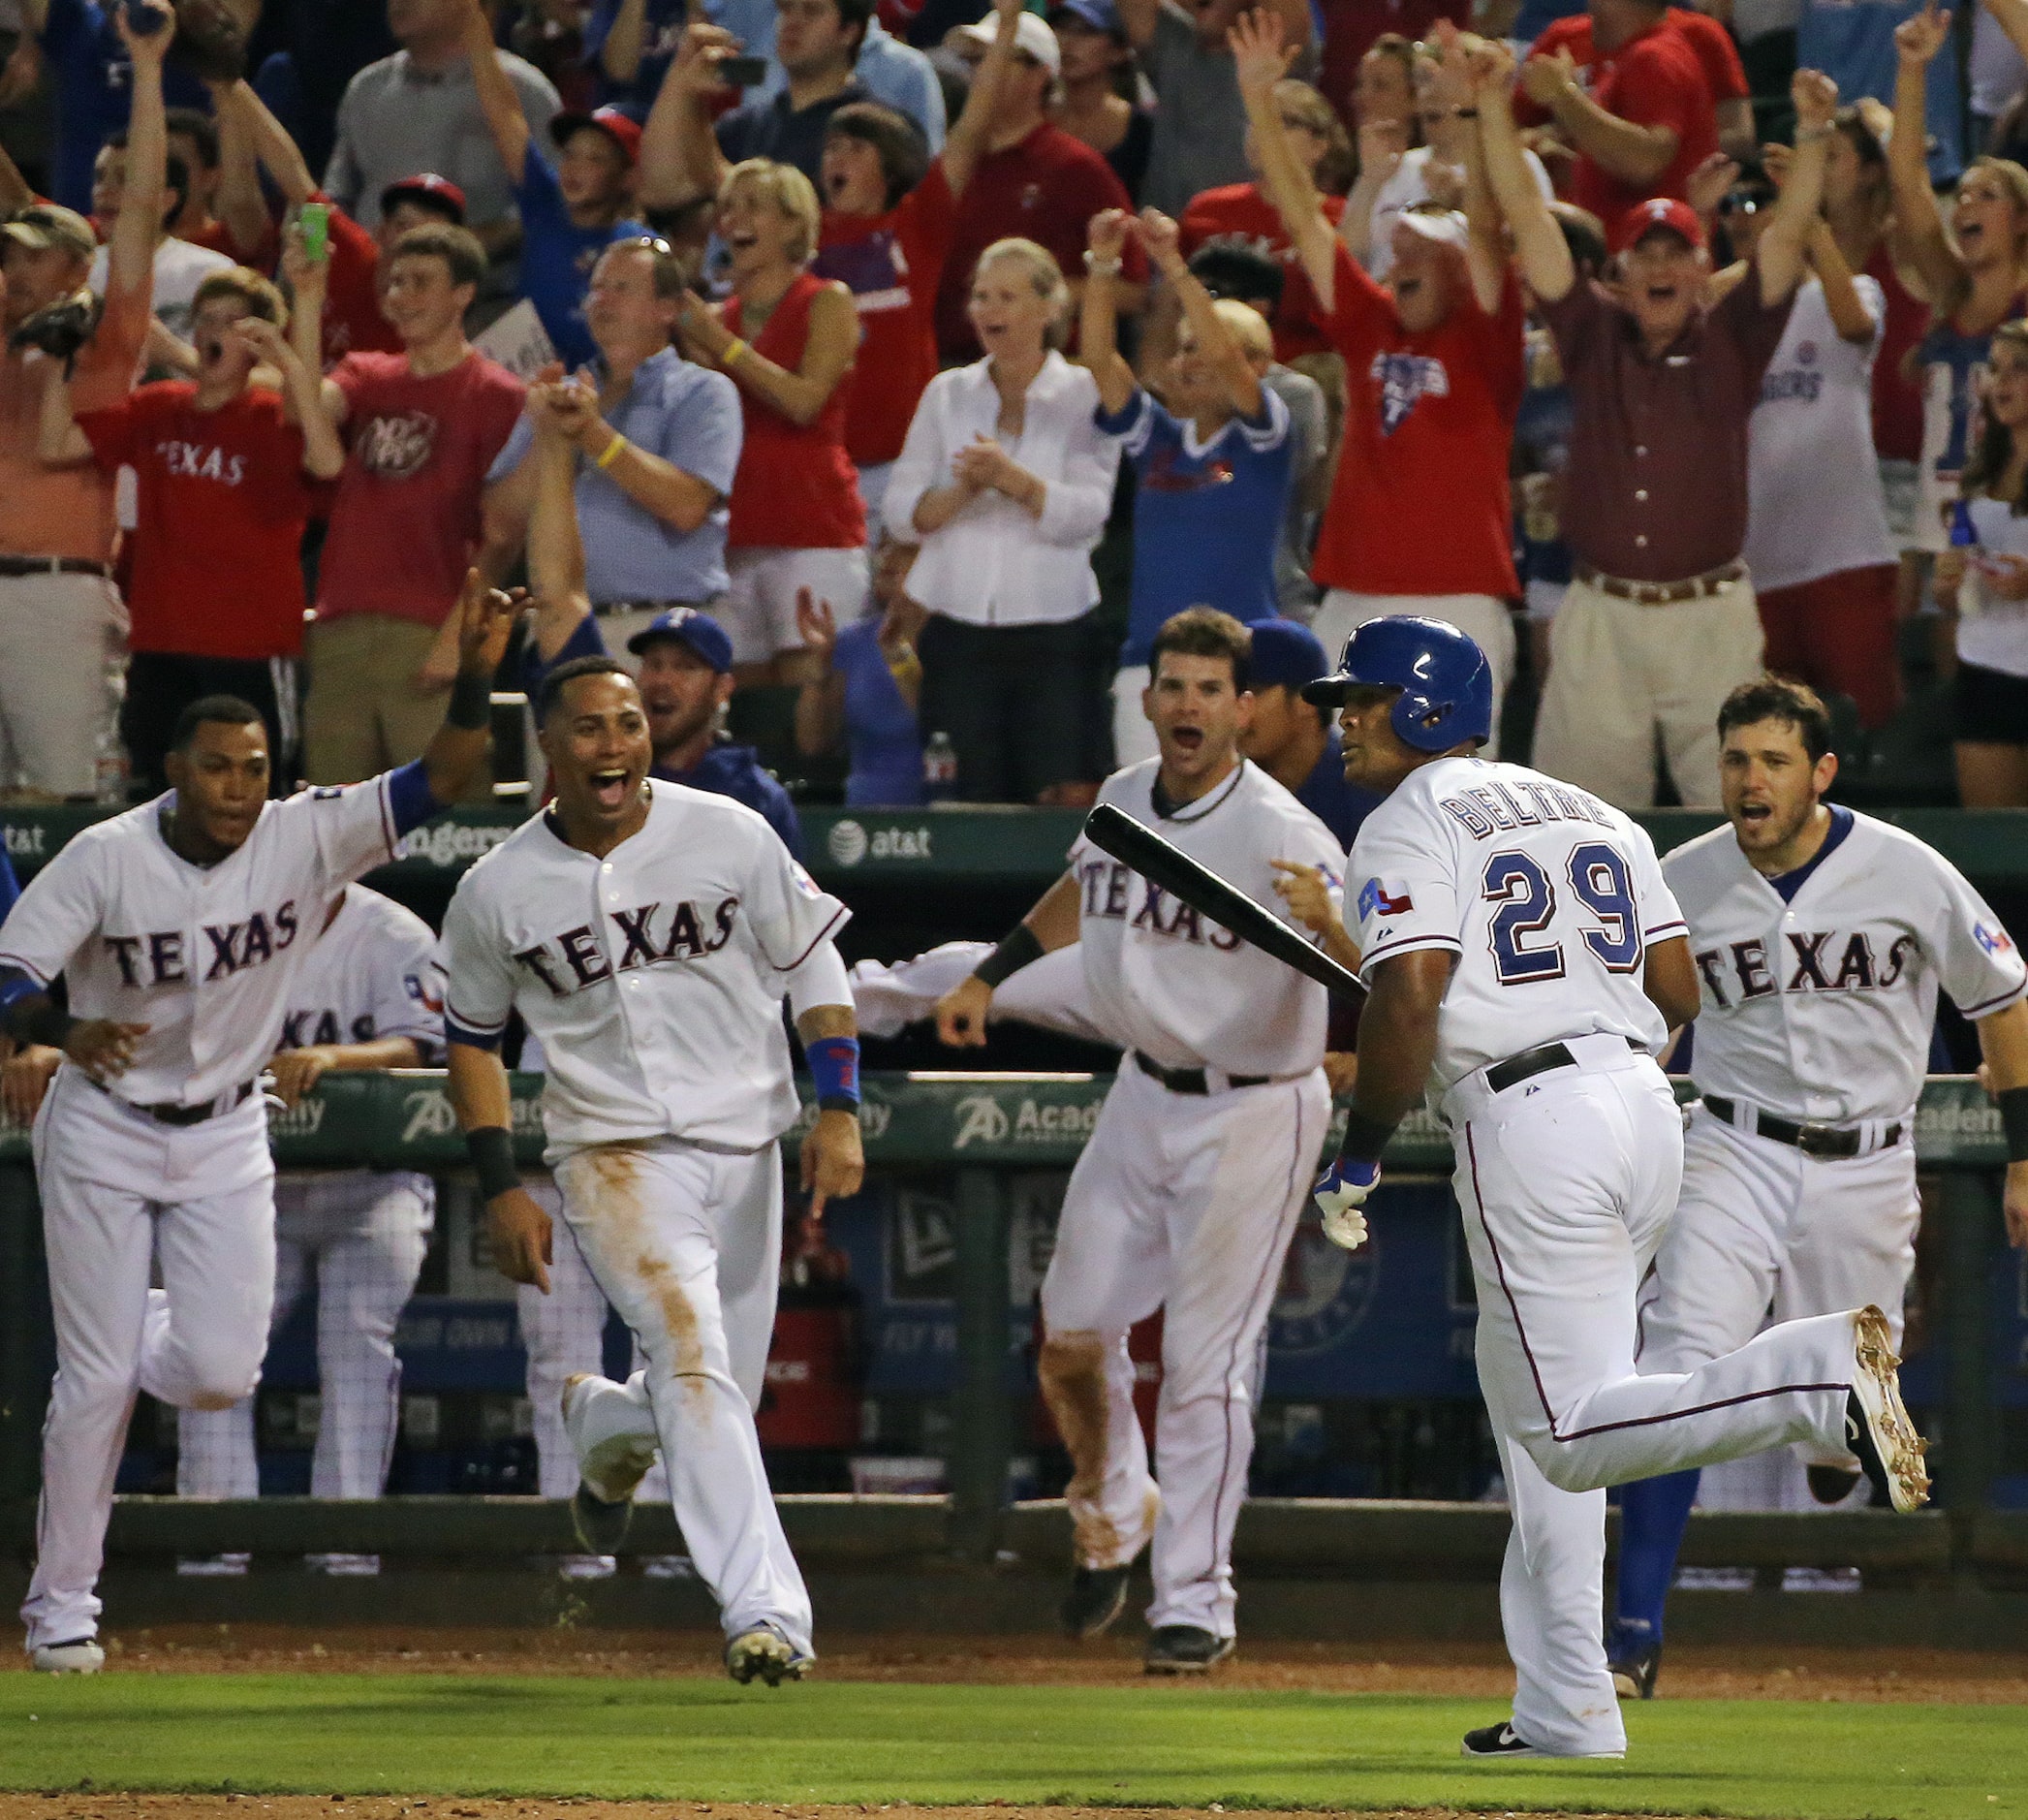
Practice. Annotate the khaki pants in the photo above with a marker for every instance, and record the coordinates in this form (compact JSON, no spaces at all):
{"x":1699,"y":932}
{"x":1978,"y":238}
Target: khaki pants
{"x":66,"y":636}
{"x":1620,"y":673}
{"x":364,"y":713}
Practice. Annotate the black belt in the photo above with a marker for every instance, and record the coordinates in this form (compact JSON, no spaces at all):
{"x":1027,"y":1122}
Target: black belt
{"x":1192,"y":1079}
{"x":52,"y":565}
{"x":168,"y":1113}
{"x":1535,"y":1061}
{"x":1808,"y":1137}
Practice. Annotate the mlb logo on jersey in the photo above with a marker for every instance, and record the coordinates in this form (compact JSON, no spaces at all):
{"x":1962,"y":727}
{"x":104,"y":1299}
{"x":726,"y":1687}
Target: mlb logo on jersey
{"x":1387,"y":898}
{"x":1994,"y":940}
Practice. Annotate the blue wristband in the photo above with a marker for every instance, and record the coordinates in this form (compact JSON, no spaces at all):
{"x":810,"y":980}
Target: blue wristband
{"x":835,"y":1064}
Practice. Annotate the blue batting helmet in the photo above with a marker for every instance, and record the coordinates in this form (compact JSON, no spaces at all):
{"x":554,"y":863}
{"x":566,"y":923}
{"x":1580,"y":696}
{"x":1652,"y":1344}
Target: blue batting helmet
{"x":1446,"y":685}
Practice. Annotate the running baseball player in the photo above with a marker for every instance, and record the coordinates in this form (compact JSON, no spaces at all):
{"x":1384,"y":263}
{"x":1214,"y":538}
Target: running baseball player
{"x":366,"y":998}
{"x":647,"y":933}
{"x":1187,"y":1195}
{"x":1525,"y":961}
{"x":1821,"y":939}
{"x":181,"y":928}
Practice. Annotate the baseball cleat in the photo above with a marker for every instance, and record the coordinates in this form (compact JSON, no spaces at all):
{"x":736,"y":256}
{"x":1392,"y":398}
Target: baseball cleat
{"x":614,"y":1451}
{"x":1877,"y":1427}
{"x":765,"y":1653}
{"x":81,"y":1655}
{"x":1503,"y":1741}
{"x":1634,"y":1671}
{"x":1185,"y":1650}
{"x":1096,"y":1596}
{"x":1830,"y":1485}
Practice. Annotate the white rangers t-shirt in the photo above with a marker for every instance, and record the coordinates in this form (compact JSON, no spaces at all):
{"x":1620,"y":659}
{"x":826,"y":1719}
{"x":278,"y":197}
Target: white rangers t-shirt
{"x":1176,"y":986}
{"x":1815,"y":506}
{"x":1548,"y":898}
{"x":1819,"y":1005}
{"x":206,"y":956}
{"x":371,"y":974}
{"x":653,"y":978}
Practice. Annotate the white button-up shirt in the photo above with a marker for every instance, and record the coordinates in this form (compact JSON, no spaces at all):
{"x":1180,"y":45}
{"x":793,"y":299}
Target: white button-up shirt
{"x":995,"y":563}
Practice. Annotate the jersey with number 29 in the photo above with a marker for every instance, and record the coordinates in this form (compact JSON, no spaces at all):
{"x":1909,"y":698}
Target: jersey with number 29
{"x":1548,"y":898}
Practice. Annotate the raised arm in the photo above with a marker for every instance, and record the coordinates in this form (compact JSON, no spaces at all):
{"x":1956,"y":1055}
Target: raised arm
{"x":1937,"y":266}
{"x":14,"y":193}
{"x":556,"y":546}
{"x":131,"y":249}
{"x":323,"y":453}
{"x":505,"y":117}
{"x":679,"y":156}
{"x":1540,"y":248}
{"x":1382,"y":146}
{"x":456,"y":752}
{"x":1780,"y":254}
{"x":279,"y":154}
{"x":1261,"y":59}
{"x":1622,"y":149}
{"x":1485,"y":252}
{"x":800,"y":395}
{"x":1215,"y":341}
{"x":1850,"y":313}
{"x":240,"y":204}
{"x":965,"y":143}
{"x":1098,"y":325}
{"x":619,"y":57}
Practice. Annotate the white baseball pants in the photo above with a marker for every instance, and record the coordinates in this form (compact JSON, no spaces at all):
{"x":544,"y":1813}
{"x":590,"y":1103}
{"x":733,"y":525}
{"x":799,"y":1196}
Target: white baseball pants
{"x":119,"y":1192}
{"x":687,"y":1245}
{"x":1761,"y":1226}
{"x":1567,"y":1182}
{"x":1048,"y":993}
{"x":1185,"y":1202}
{"x":361,"y":1235}
{"x":563,"y":1334}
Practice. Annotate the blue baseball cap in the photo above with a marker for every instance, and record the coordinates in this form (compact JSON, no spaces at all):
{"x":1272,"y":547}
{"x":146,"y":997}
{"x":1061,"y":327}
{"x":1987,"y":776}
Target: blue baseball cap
{"x":1101,"y":15}
{"x":1285,"y":654}
{"x":698,"y":630}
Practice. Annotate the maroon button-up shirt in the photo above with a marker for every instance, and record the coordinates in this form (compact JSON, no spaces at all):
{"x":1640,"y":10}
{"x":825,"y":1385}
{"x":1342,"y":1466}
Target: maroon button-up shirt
{"x":1658,"y":447}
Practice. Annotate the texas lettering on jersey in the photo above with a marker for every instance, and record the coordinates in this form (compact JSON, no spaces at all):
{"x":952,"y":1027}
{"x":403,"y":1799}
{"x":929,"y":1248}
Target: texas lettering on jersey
{"x":1818,"y":962}
{"x":158,"y":957}
{"x":570,"y":963}
{"x":1109,"y":888}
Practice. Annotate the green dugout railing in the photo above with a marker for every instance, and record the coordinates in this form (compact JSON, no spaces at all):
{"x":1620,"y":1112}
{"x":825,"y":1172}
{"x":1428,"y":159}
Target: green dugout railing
{"x":983,"y":1127}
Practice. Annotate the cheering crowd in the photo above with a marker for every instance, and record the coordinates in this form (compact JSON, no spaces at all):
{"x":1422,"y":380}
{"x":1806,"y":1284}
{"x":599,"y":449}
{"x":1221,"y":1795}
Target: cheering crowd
{"x":915,"y":367}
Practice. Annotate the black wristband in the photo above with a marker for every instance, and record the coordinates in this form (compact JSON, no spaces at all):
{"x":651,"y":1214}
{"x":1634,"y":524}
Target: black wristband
{"x":46,"y":1022}
{"x":1012,"y":954}
{"x":1366,"y":1137}
{"x":492,"y":1154}
{"x":471,"y":703}
{"x":2013,"y":1103}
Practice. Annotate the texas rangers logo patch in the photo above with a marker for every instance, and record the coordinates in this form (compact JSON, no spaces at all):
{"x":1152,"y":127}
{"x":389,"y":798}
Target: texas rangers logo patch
{"x":1403,"y":380}
{"x":1387,"y":898}
{"x":1995,"y":941}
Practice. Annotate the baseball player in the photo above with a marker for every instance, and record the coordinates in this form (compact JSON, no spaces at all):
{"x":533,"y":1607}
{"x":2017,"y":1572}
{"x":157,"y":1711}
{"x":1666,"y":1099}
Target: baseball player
{"x":1189,"y":1190}
{"x":1821,"y":939}
{"x":364,"y":998}
{"x":181,"y":927}
{"x":647,"y":933}
{"x":1526,"y":960}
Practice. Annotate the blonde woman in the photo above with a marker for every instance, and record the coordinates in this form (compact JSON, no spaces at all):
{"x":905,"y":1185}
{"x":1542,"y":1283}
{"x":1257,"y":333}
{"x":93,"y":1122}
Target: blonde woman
{"x":1007,"y":481}
{"x":788,"y":340}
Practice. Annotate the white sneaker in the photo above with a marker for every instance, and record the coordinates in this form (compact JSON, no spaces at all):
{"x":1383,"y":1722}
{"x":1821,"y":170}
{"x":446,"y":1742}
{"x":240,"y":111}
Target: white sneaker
{"x":81,"y":1655}
{"x":613,"y":1437}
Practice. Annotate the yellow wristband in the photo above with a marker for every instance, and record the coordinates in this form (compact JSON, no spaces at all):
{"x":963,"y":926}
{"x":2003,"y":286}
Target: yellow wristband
{"x":611,"y":453}
{"x":735,"y":348}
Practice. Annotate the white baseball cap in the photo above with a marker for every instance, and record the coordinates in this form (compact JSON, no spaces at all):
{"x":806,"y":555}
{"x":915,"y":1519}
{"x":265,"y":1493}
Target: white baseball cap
{"x":1031,"y":36}
{"x":1445,"y":226}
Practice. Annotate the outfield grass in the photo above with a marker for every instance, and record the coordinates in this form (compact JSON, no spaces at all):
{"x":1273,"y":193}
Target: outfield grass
{"x":1158,"y":1745}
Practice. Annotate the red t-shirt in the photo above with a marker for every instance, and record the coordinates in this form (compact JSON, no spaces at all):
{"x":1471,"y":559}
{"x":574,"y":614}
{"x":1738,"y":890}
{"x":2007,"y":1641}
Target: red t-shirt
{"x":222,"y":503}
{"x":1238,"y":214}
{"x":1421,"y":505}
{"x":351,"y":319}
{"x":263,"y":256}
{"x":1046,"y":189}
{"x":796,"y":487}
{"x":1716,"y":53}
{"x":1654,"y":79}
{"x":892,"y":263}
{"x":1350,"y":27}
{"x":405,"y":522}
{"x":1897,"y":405}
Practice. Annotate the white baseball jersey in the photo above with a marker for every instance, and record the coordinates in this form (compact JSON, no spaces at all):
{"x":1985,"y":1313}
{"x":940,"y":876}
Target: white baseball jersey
{"x":371,"y":974}
{"x":1548,"y":898}
{"x":206,"y":956}
{"x":653,"y":978}
{"x":1176,"y":986}
{"x":1818,"y":1002}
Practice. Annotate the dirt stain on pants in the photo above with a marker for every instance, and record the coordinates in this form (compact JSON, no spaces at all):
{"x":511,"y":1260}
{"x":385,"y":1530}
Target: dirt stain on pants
{"x":623,"y":1236}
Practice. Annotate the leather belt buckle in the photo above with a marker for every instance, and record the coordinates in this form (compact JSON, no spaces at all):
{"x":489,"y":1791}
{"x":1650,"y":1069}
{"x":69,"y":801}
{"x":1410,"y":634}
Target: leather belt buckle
{"x":1817,"y":1139}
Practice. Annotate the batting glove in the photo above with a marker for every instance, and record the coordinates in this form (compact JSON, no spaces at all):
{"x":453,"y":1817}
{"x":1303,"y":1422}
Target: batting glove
{"x":1340,"y":1192}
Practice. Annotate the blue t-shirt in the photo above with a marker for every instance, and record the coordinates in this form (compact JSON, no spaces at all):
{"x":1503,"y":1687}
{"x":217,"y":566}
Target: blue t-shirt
{"x":662,"y":33}
{"x":690,"y":417}
{"x":1205,"y":519}
{"x":1339,"y":806}
{"x":1853,"y":43}
{"x":558,"y":257}
{"x":880,"y":729}
{"x":93,"y":79}
{"x":1962,"y":360}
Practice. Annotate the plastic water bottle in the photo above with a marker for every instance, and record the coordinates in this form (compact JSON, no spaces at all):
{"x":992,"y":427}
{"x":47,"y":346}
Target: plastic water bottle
{"x":110,"y":770}
{"x":1970,"y":597}
{"x":1963,"y":534}
{"x":939,"y":768}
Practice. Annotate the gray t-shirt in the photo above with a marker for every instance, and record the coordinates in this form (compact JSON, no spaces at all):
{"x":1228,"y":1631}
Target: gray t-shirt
{"x":1309,"y":431}
{"x":1199,"y":121}
{"x":397,"y":121}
